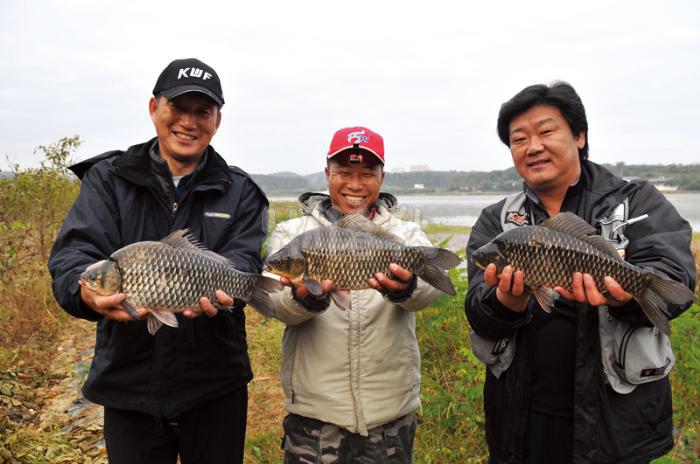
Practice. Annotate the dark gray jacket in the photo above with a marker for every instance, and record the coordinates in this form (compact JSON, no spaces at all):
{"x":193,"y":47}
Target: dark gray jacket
{"x":608,"y":427}
{"x":126,"y":197}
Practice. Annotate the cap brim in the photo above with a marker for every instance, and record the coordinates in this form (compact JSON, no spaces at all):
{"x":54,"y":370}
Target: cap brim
{"x":350,"y":147}
{"x":177,"y":91}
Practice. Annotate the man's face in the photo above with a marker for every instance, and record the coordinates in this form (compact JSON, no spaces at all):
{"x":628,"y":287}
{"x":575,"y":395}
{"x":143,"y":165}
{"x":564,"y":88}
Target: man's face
{"x":545,"y":152}
{"x":354,"y":187}
{"x":185,"y":125}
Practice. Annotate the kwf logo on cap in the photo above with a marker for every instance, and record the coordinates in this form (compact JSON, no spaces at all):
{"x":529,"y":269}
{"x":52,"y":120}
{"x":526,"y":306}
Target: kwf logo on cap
{"x":357,"y":137}
{"x":193,"y":72}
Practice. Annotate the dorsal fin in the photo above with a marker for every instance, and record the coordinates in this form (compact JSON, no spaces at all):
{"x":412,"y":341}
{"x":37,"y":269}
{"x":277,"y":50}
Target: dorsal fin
{"x":182,"y":238}
{"x":571,"y":224}
{"x":360,"y":222}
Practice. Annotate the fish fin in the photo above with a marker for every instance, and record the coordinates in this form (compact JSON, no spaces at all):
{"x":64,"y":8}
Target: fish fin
{"x":153,"y":324}
{"x":440,"y":257}
{"x":341,"y":298}
{"x":183,"y":238}
{"x":312,"y":285}
{"x":268,"y":284}
{"x":652,"y":305}
{"x":131,"y":310}
{"x":670,"y":290}
{"x":438,"y":278}
{"x":261,"y":302}
{"x":360,"y":222}
{"x":571,"y":224}
{"x":545,"y":296}
{"x":166,"y":317}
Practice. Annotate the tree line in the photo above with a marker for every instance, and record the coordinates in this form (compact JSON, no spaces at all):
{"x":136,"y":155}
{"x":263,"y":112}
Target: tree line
{"x":684,"y":177}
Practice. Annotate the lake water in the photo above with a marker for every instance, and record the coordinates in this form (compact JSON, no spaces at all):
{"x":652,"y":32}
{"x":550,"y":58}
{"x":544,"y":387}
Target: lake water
{"x":463,"y":210}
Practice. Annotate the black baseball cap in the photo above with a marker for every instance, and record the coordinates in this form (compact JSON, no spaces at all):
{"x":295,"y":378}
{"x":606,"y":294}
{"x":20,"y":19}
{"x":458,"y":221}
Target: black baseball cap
{"x":189,"y":75}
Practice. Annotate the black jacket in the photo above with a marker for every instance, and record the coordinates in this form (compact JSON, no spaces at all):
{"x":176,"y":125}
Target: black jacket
{"x":126,"y":197}
{"x":608,"y":427}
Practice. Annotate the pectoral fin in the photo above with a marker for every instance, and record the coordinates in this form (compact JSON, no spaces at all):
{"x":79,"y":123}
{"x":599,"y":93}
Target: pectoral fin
{"x":546,"y":296}
{"x":156,"y":319}
{"x":341,"y":299}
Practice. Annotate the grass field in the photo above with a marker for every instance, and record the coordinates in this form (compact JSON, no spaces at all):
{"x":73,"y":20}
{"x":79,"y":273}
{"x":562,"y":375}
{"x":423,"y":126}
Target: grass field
{"x":44,"y":356}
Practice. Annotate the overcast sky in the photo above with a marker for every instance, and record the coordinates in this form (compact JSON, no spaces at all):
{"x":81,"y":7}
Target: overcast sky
{"x":429,"y":76}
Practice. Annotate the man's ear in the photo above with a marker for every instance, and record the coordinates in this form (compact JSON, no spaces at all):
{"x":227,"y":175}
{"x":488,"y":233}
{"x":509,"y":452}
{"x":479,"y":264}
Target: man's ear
{"x":581,"y":140}
{"x":152,"y":105}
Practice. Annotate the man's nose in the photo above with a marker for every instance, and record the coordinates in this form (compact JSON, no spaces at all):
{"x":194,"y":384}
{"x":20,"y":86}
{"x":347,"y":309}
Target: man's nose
{"x":355,"y":182}
{"x":188,"y":120}
{"x":534,"y":145}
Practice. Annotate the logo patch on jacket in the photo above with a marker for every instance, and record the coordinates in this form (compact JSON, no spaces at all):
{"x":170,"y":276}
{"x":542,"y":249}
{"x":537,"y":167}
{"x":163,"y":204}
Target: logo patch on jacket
{"x":517,"y":218}
{"x":214,"y":214}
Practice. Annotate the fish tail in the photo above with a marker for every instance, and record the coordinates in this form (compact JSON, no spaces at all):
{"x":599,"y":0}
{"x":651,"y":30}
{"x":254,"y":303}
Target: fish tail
{"x":260,"y":301}
{"x":437,"y":277}
{"x":440,"y":257}
{"x":657,"y":295}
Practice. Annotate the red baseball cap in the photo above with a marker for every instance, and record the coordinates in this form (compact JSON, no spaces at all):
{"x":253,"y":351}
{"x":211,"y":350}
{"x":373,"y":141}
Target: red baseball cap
{"x":360,"y":137}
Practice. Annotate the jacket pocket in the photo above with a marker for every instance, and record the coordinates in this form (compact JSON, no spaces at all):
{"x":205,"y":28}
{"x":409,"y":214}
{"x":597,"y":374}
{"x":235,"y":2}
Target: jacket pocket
{"x":633,"y":354}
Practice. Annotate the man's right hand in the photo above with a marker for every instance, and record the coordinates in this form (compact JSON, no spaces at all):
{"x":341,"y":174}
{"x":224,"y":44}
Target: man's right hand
{"x":511,"y":291}
{"x":108,"y":306}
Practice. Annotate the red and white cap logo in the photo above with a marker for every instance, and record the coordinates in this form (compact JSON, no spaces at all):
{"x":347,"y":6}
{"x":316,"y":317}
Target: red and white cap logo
{"x":365,"y":139}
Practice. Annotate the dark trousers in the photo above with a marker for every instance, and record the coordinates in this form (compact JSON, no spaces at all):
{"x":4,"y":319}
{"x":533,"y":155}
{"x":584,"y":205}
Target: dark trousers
{"x":550,"y":439}
{"x":210,"y":433}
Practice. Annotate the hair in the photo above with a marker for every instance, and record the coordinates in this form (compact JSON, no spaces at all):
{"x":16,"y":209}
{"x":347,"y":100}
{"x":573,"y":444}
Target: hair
{"x":560,"y":95}
{"x":339,"y":157}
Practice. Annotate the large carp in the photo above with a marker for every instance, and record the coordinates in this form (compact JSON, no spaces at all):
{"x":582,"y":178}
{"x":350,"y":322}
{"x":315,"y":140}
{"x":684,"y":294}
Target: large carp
{"x":171,"y":275}
{"x":352,"y":250}
{"x":549,"y":254}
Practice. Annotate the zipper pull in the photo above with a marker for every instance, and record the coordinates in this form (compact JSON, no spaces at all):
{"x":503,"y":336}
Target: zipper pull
{"x":174,"y":207}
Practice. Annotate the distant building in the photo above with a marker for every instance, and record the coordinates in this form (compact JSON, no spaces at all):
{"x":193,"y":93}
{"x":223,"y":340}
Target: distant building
{"x":419,"y":186}
{"x":400,"y":169}
{"x":419,"y":168}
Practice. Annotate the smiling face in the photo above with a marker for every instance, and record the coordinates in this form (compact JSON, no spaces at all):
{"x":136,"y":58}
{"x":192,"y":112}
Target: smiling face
{"x":545,"y":152}
{"x":185,"y":126}
{"x":354,"y":187}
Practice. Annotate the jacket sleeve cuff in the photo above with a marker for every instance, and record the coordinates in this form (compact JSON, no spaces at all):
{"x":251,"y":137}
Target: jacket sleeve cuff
{"x":314,"y":305}
{"x":500,"y":311}
{"x":403,"y":295}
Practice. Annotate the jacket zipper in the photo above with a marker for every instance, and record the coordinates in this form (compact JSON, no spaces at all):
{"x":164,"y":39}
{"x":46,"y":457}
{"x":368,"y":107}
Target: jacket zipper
{"x":174,"y":209}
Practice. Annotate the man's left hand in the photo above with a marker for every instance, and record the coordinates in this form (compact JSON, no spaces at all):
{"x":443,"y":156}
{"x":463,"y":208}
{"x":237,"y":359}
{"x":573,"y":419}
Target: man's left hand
{"x":586,"y":291}
{"x":208,"y":308}
{"x":385,"y":285}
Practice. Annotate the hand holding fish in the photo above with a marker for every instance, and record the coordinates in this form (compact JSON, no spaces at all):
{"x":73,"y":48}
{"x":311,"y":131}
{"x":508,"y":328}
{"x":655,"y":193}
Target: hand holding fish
{"x":303,"y":292}
{"x":107,"y":306}
{"x":585,"y":290}
{"x":208,"y":308}
{"x":386,"y":285}
{"x":511,"y":287}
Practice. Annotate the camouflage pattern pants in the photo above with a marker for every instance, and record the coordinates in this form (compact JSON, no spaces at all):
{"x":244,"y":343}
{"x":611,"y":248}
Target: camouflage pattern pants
{"x":310,"y":441}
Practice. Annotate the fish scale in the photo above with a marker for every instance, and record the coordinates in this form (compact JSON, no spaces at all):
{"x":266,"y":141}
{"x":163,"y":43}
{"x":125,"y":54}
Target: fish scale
{"x":351,"y":258}
{"x":551,"y":258}
{"x":170,"y":276}
{"x":549,"y":254}
{"x":353,"y":250}
{"x":163,"y":279}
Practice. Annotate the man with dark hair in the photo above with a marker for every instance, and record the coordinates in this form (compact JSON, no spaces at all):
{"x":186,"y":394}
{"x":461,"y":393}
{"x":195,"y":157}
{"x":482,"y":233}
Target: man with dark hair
{"x":556,"y":390}
{"x":182,"y":391}
{"x":351,"y":377}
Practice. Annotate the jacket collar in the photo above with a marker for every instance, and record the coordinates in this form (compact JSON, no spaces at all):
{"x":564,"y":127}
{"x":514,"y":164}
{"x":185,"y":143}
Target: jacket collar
{"x":594,"y":179}
{"x":318,"y":205}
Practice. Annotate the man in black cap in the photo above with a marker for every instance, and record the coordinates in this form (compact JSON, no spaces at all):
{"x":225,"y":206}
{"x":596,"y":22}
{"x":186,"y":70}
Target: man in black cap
{"x":183,"y":391}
